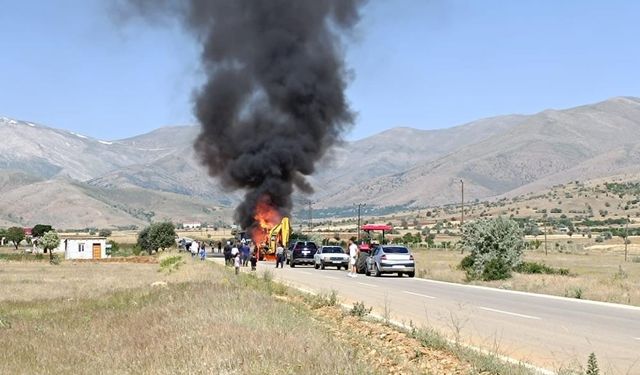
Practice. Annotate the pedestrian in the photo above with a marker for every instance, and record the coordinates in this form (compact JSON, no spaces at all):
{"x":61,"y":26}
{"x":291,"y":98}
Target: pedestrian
{"x":353,"y":256}
{"x":246,"y":254}
{"x":236,"y":262}
{"x":254,"y":260}
{"x":203,"y":252}
{"x":227,"y":253}
{"x":280,"y":255}
{"x":194,"y":248}
{"x":234,"y":251}
{"x":219,"y":246}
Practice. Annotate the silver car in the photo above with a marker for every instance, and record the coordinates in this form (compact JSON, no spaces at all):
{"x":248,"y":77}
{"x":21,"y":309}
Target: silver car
{"x":390,"y":259}
{"x":332,"y":256}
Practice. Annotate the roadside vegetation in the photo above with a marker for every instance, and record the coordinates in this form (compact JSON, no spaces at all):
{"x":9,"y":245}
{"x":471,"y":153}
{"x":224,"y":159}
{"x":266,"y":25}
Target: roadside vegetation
{"x":129,"y":318}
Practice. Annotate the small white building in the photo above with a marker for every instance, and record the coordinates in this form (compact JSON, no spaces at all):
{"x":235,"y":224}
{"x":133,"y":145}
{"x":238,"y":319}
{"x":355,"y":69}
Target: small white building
{"x":83,"y":247}
{"x":192,"y":225}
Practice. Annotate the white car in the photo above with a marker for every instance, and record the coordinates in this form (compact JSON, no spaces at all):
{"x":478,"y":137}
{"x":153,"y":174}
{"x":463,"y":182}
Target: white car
{"x":332,"y":256}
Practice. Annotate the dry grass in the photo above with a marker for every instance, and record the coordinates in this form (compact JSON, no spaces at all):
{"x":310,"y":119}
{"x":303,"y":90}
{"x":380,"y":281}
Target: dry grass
{"x":94,"y":318}
{"x":597,"y":274}
{"x":212,"y":324}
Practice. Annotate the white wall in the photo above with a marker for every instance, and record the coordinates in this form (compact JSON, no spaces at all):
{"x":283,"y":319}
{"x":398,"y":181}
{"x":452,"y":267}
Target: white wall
{"x":81,"y":248}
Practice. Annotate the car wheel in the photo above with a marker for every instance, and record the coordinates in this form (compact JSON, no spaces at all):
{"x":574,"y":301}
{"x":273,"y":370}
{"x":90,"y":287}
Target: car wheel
{"x":291,"y":263}
{"x":321,"y":265}
{"x":366,"y":270}
{"x":377,"y":270}
{"x":316,"y":266}
{"x":411,"y":274}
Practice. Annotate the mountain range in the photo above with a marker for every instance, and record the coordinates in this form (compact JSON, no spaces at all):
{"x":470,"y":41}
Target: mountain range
{"x":75,"y":181}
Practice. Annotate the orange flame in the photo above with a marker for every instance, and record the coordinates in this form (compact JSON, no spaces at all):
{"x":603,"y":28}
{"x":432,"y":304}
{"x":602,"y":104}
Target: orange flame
{"x":267,"y":217}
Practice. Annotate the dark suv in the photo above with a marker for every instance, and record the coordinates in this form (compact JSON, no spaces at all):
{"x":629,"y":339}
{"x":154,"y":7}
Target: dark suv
{"x":301,"y":252}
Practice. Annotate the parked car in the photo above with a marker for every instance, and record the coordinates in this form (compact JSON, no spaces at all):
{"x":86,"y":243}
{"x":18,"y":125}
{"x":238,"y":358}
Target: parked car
{"x":390,"y":259}
{"x":301,"y":252}
{"x":333,"y":256}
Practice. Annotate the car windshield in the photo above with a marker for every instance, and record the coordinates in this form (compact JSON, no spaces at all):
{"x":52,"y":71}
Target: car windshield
{"x":396,"y":250}
{"x":308,"y":245}
{"x":332,"y":250}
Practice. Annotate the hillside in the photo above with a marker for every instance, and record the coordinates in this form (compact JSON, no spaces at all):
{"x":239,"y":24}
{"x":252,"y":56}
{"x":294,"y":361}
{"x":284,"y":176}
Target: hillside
{"x":400,"y":167}
{"x":539,"y":151}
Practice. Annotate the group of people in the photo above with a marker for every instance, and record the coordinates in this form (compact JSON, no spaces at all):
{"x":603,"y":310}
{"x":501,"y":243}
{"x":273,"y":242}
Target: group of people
{"x":240,"y":254}
{"x":197,"y":248}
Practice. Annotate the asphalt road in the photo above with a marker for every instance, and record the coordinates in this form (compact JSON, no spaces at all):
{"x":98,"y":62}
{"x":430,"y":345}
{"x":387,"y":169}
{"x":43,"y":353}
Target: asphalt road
{"x":546,"y":331}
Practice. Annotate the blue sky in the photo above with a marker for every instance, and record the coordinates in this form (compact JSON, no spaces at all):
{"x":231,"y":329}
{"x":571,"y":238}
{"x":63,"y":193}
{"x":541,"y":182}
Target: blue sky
{"x":426,"y":64}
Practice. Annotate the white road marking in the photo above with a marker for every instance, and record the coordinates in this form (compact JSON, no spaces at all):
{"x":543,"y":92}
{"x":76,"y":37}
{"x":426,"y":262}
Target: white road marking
{"x":366,"y":284}
{"x":510,"y":313}
{"x":637,"y":338}
{"x":530,"y":294}
{"x":419,"y":295}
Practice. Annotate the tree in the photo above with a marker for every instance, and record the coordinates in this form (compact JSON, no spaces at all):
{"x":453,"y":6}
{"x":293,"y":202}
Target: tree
{"x":592,"y":365}
{"x":50,"y":241}
{"x":495,"y":245}
{"x":157,"y":236}
{"x":15,"y":235}
{"x":40,"y":229}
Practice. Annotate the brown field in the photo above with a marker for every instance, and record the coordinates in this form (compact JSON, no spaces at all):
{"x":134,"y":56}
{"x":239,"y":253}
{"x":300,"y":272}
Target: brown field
{"x":130,"y":237}
{"x":597,"y":273}
{"x":99,"y":318}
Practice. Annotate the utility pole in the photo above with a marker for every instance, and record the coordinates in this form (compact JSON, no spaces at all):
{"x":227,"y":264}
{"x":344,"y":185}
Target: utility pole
{"x":360,"y":205}
{"x":310,"y":216}
{"x":626,"y":235}
{"x":545,"y":237}
{"x":462,"y":205}
{"x":461,"y":212}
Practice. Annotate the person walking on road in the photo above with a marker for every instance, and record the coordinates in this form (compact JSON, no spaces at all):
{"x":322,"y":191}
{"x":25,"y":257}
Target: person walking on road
{"x":353,"y":256}
{"x":280,"y":255}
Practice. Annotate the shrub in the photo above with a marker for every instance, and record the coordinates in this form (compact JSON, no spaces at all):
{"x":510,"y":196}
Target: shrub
{"x":317,"y":301}
{"x":466,"y":263}
{"x":104,"y":232}
{"x":360,"y":310}
{"x":539,"y":268}
{"x":495,"y":245}
{"x":136,"y":250}
{"x":496,"y":269}
{"x":171,"y":263}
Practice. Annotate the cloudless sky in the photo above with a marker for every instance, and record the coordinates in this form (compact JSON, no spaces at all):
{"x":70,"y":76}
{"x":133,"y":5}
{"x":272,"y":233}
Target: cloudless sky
{"x":421,"y":63}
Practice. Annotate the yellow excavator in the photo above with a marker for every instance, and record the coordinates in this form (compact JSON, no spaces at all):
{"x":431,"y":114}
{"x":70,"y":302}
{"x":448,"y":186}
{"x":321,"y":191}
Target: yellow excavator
{"x":278,"y":234}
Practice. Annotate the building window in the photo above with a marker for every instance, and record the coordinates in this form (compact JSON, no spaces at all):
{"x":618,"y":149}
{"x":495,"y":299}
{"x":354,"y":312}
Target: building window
{"x":80,"y":247}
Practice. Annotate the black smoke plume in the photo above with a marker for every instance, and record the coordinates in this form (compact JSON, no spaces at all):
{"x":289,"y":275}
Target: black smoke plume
{"x":273,"y":101}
